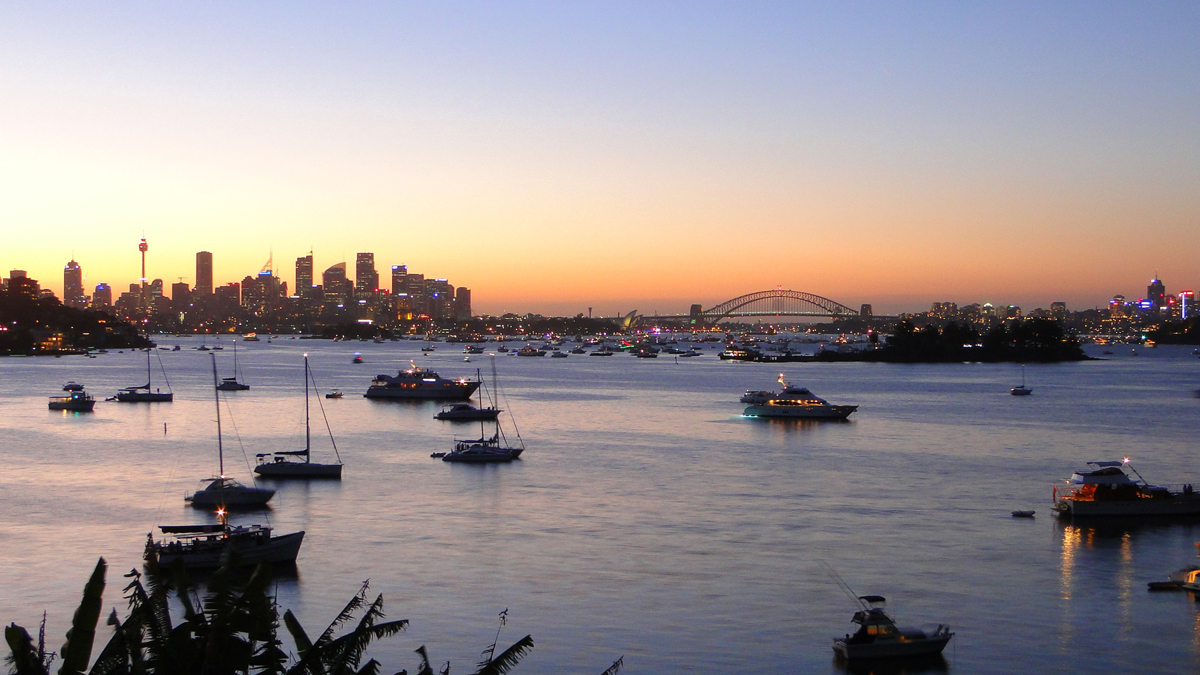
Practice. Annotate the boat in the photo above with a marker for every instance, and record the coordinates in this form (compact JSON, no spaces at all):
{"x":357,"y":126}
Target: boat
{"x":221,"y":491}
{"x":472,"y":349}
{"x":604,"y":350}
{"x":796,"y":402}
{"x":231,"y":383}
{"x":76,"y":400}
{"x":336,"y":393}
{"x":558,"y":355}
{"x":485,"y":450}
{"x":420,"y":384}
{"x":757,"y":397}
{"x":1021,"y":390}
{"x":530,"y":350}
{"x":288,"y":463}
{"x":143,"y":394}
{"x":1109,"y":489}
{"x":72,"y":386}
{"x":1023,"y":514}
{"x":579,"y":350}
{"x":204,"y":546}
{"x":878,"y":636}
{"x":250,"y":337}
{"x":737,"y":353}
{"x":357,"y":358}
{"x":465,"y":412}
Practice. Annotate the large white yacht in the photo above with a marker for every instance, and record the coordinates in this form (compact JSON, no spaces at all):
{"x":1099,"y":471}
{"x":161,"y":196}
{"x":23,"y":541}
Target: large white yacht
{"x":796,"y":402}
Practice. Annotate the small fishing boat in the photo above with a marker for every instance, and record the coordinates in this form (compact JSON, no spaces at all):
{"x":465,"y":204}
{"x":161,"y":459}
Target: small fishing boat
{"x":878,"y":636}
{"x":75,"y":400}
{"x":336,"y":393}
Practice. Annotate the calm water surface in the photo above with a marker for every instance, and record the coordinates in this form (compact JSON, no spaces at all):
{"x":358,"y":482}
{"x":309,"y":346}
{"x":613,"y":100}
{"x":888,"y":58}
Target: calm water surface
{"x":647,"y":518}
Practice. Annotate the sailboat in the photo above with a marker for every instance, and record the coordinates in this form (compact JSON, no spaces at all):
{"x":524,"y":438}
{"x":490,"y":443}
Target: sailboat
{"x":465,"y":412}
{"x":221,"y":490}
{"x":143,"y":394}
{"x":484,"y":450}
{"x":1021,"y":390}
{"x":288,"y":463}
{"x":231,"y":383}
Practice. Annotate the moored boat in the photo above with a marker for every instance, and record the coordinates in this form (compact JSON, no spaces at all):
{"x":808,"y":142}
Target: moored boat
{"x":298,"y":463}
{"x":878,"y":636}
{"x":203,"y":546}
{"x":143,"y":393}
{"x":420,"y":383}
{"x":1115,"y":489}
{"x":76,"y":400}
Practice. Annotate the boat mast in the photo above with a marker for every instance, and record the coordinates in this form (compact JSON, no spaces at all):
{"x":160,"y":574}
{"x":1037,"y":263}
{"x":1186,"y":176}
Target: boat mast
{"x":217,"y":399}
{"x":307,"y":435}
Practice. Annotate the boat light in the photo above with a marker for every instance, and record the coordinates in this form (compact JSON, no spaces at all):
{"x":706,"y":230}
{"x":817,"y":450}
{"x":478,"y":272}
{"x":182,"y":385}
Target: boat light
{"x":1125,"y":460}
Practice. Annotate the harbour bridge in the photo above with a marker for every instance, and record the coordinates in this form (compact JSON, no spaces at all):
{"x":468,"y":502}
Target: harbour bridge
{"x":773,"y":303}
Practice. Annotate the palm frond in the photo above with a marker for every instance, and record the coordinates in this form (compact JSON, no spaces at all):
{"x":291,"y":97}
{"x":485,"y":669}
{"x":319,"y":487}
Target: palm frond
{"x":424,"y":668}
{"x":23,"y":657}
{"x":77,"y":650}
{"x":371,"y":667}
{"x":615,"y":667}
{"x":508,"y":659}
{"x":346,"y":614}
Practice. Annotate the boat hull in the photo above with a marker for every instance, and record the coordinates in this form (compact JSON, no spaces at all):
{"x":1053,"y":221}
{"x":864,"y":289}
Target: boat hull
{"x":74,"y":405}
{"x":832,"y":412}
{"x":443,"y":392}
{"x":298,"y":470}
{"x":231,"y":498}
{"x":891,"y":649}
{"x":1178,"y":505}
{"x":280,"y":550}
{"x":232,"y":386}
{"x":144,"y":397}
{"x":491,"y":455}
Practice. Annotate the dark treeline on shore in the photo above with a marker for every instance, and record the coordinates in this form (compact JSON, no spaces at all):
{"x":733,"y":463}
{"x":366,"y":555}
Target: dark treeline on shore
{"x":1178,"y":332}
{"x":1033,"y":340}
{"x":44,"y":325}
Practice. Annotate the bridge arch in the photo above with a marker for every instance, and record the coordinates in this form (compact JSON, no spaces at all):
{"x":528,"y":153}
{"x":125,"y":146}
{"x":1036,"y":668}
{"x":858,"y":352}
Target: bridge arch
{"x":774,"y":303}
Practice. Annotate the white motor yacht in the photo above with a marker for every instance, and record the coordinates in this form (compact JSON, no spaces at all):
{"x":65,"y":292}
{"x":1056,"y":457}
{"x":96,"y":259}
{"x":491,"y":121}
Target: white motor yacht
{"x":796,"y":402}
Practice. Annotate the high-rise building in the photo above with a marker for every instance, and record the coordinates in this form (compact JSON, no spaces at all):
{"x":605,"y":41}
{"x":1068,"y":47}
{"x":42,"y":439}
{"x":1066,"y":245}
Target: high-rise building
{"x":102,"y":297}
{"x":414,"y":288}
{"x":462,"y":302}
{"x":1058,"y":310}
{"x":1186,"y":301}
{"x":366,"y":279}
{"x":19,"y":283}
{"x":204,"y":274}
{"x":1156,"y":293}
{"x":180,"y":294}
{"x":304,"y":276}
{"x":73,"y":295}
{"x":398,"y":274}
{"x":439,"y":299}
{"x":338,"y":289}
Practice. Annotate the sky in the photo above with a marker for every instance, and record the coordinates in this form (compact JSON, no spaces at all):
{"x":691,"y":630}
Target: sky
{"x":555,"y":157}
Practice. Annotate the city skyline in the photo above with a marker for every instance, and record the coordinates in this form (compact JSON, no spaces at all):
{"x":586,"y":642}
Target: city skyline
{"x":619,"y":157}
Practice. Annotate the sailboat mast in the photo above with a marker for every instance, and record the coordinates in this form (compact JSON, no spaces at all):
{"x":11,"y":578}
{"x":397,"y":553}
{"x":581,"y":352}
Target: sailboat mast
{"x":307,"y":434}
{"x":147,"y":369}
{"x":217,"y":400}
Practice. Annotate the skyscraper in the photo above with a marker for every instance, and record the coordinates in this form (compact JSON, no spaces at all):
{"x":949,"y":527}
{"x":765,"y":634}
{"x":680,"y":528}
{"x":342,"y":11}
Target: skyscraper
{"x":304,"y":276}
{"x":462,"y":302}
{"x":102,"y":297}
{"x":366,"y":279}
{"x":204,"y":274}
{"x":398,"y":274}
{"x":73,"y":295}
{"x":1156,"y":292}
{"x":337,"y":287}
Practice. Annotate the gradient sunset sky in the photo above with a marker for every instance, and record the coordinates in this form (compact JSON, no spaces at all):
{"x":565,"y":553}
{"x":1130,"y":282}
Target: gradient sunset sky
{"x":616,"y":155}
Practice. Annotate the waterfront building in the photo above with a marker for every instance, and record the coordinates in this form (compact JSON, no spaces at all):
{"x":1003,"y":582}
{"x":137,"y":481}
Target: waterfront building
{"x":73,"y":295}
{"x":366,"y":279}
{"x":19,"y":283}
{"x":102,"y":297}
{"x":1186,"y":300}
{"x":204,"y":274}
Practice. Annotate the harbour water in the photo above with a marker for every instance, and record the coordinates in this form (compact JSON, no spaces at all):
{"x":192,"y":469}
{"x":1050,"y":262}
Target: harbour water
{"x":647,"y":518}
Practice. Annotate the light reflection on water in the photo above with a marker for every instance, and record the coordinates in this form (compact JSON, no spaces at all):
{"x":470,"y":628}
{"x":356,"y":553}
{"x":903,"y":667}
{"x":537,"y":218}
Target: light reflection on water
{"x":648,"y":517}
